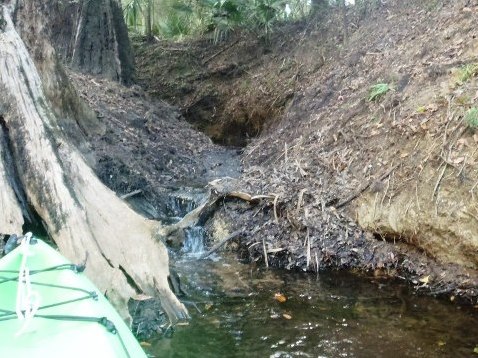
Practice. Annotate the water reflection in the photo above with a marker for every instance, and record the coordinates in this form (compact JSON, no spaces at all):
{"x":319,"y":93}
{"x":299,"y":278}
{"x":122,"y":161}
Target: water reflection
{"x":331,"y":315}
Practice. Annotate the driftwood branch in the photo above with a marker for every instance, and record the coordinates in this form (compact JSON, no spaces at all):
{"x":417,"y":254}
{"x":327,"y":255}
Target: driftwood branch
{"x":220,"y":244}
{"x":129,"y":195}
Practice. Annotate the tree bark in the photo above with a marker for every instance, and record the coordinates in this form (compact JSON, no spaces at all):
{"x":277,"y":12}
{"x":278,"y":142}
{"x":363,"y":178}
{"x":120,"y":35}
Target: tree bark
{"x":86,"y":219}
{"x":90,"y":36}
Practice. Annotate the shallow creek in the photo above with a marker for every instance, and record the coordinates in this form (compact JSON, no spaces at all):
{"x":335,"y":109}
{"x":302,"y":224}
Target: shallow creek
{"x":330,"y":315}
{"x":235,"y":314}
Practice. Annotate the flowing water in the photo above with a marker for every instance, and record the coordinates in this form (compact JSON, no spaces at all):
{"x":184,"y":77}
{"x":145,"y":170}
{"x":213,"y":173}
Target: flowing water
{"x":329,"y":315}
{"x":236,"y":313}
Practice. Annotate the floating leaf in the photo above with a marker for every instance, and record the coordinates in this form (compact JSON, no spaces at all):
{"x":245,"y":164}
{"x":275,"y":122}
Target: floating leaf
{"x":287,"y":316}
{"x":475,"y":350}
{"x":441,"y":343}
{"x":279,"y":297}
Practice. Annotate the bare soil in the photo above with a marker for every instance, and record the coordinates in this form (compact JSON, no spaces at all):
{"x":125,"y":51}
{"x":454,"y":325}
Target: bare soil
{"x":146,"y":146}
{"x":331,"y":180}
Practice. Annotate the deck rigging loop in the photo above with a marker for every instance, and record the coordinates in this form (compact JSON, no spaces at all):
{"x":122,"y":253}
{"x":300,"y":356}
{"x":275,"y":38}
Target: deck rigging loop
{"x":28,"y":300}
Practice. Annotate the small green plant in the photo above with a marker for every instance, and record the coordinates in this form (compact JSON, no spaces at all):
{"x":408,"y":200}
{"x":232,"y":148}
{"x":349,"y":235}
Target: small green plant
{"x":377,"y":91}
{"x":466,"y":72}
{"x":471,"y":118}
{"x":421,"y":109}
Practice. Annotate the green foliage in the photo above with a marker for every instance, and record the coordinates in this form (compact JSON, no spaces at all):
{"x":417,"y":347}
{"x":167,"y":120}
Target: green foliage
{"x":179,"y":18}
{"x":174,"y":25}
{"x":377,"y":91}
{"x":175,"y":22}
{"x":133,"y":13}
{"x":265,"y":13}
{"x":224,"y":16}
{"x":471,"y":118}
{"x":466,"y":72}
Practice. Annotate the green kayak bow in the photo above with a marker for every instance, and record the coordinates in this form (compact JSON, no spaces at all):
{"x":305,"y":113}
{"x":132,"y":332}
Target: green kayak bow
{"x":48,"y":308}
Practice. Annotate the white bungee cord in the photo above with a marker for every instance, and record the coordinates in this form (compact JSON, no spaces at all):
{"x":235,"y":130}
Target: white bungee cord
{"x":28,"y":300}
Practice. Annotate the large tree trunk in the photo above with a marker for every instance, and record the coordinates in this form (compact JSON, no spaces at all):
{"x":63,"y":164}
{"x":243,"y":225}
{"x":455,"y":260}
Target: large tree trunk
{"x":86,"y":219}
{"x":90,"y":36}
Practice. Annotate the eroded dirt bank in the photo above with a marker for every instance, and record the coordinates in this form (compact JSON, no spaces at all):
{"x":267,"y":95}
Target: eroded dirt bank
{"x":331,"y":162}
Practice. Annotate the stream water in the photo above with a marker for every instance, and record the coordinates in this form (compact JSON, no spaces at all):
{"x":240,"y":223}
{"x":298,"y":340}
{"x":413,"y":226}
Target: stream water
{"x":235,"y":313}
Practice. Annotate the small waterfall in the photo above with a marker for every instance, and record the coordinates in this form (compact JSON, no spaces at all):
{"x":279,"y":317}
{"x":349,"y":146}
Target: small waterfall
{"x":194,"y":244}
{"x":179,"y":204}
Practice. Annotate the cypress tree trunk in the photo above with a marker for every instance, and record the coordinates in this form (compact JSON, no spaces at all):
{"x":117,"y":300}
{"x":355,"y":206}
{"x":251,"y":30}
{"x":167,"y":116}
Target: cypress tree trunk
{"x":41,"y":169}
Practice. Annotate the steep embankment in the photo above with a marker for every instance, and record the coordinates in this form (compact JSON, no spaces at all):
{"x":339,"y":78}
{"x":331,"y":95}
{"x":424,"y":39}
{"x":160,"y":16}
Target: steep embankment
{"x":418,"y":133}
{"x":402,"y":166}
{"x":410,"y":156}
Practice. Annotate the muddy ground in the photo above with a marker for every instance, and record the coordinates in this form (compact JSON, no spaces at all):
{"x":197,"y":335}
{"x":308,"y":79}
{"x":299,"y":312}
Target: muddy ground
{"x":330,"y":179}
{"x":147,"y":148}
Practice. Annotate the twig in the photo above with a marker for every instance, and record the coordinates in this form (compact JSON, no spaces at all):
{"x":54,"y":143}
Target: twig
{"x":276,"y":218}
{"x":220,"y":244}
{"x":133,"y":193}
{"x":317,"y":262}
{"x":473,"y":188}
{"x":219,"y":52}
{"x":439,"y":180}
{"x":365,"y":187}
{"x":385,"y":194}
{"x":286,"y":156}
{"x":265,"y":252}
{"x":308,"y":249}
{"x":299,"y":201}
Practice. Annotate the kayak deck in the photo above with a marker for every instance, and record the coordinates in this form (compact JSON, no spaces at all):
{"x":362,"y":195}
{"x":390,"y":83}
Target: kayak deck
{"x":73,"y":319}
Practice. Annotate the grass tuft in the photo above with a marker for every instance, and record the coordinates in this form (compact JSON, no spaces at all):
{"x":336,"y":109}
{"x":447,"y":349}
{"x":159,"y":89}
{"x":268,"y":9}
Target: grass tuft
{"x":471,"y":118}
{"x":377,"y":91}
{"x":465,"y":73}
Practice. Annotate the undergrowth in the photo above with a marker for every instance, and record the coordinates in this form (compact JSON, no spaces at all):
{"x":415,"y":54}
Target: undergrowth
{"x":377,"y":91}
{"x":465,"y":73}
{"x":471,"y":118}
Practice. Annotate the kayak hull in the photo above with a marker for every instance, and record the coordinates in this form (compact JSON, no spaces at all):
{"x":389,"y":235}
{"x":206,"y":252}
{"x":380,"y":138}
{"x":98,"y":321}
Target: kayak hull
{"x":74,"y":319}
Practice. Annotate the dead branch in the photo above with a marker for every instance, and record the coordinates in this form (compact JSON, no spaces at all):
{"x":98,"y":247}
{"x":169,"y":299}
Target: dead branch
{"x":220,"y":244}
{"x":265,"y":252}
{"x":129,"y":195}
{"x":219,"y":52}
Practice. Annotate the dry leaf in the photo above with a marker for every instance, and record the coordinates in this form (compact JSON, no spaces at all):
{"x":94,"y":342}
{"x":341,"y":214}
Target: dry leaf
{"x":403,"y":155}
{"x":458,"y":160}
{"x":279,"y":297}
{"x":425,"y":279}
